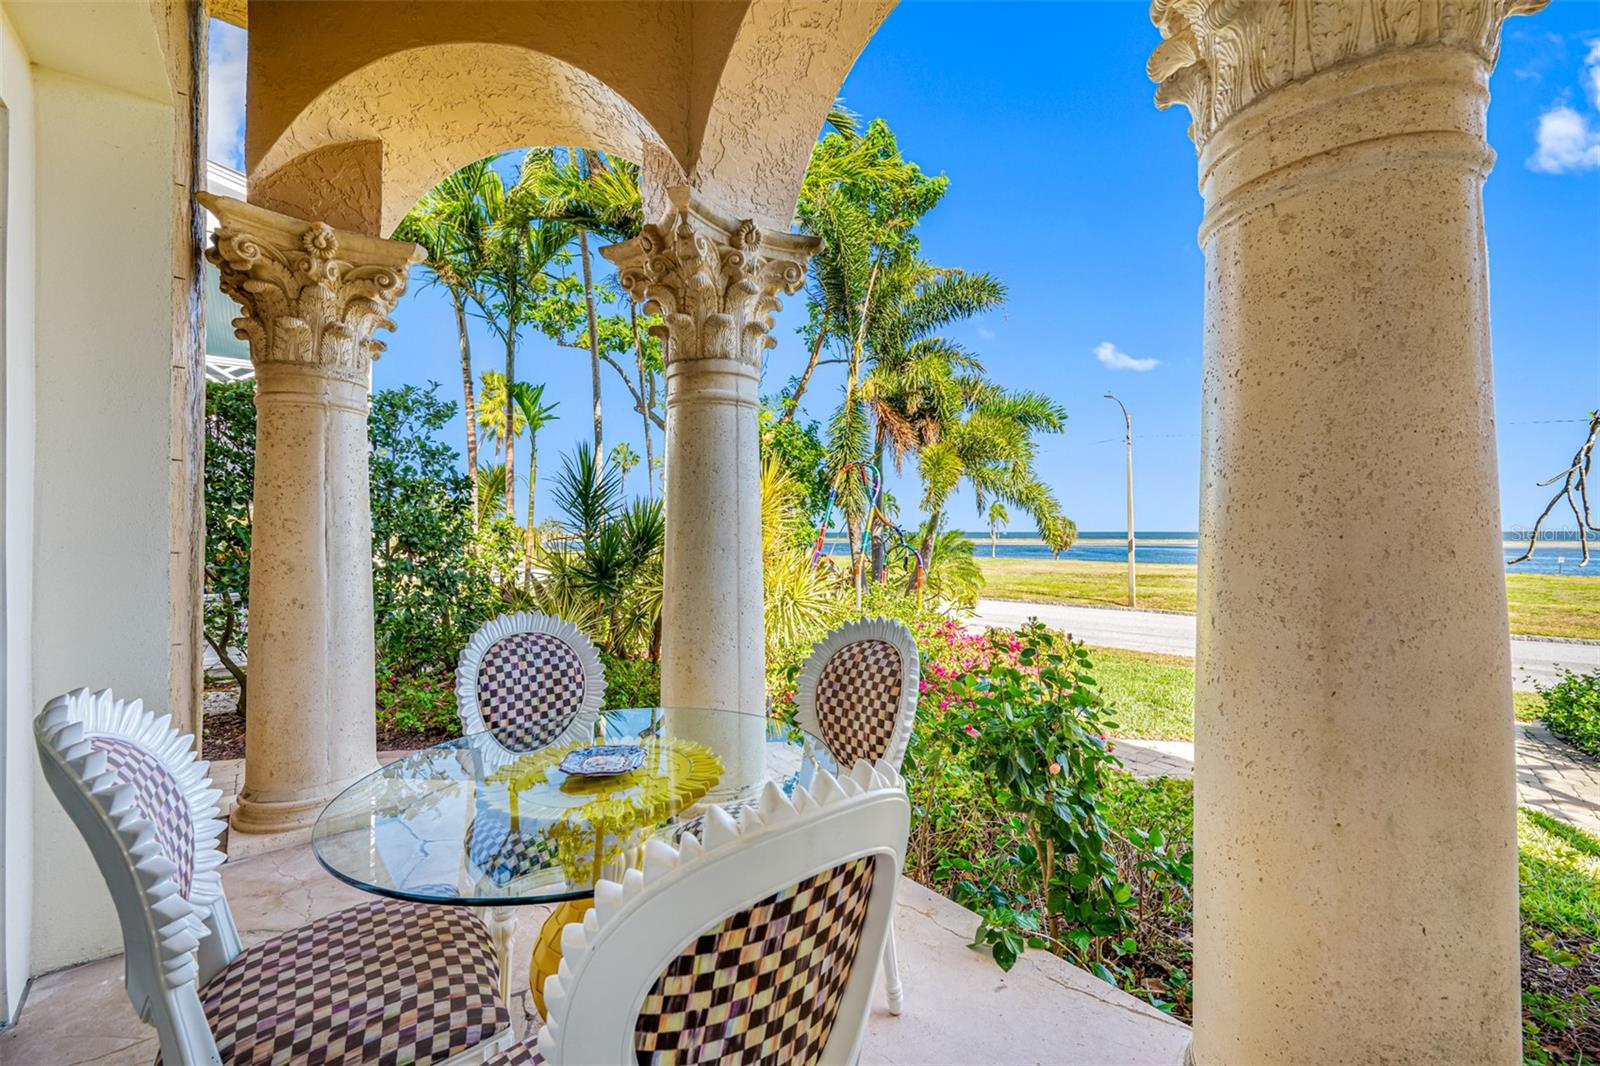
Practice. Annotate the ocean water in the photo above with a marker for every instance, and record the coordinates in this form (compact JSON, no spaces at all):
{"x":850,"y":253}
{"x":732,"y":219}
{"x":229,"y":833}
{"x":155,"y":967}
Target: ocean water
{"x":1555,"y":556}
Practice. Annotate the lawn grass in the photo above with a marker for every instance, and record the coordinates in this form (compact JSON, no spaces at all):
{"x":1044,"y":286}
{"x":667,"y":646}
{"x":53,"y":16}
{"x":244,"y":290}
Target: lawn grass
{"x":1559,"y":879}
{"x":1543,"y":605}
{"x":1162,"y":586}
{"x":1527,"y":706}
{"x":1151,"y":696}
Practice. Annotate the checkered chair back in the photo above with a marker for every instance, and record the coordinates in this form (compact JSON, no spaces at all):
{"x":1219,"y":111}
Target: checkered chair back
{"x":144,"y":803}
{"x":530,"y":680}
{"x":757,"y":942}
{"x":857,"y":690}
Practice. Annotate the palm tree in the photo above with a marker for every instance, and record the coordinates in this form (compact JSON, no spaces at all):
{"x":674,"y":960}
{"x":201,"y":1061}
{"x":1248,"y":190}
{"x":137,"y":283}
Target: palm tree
{"x":520,"y":249}
{"x":450,"y":224}
{"x":953,"y":579}
{"x":592,"y":193}
{"x":492,"y":419}
{"x":998,"y":520}
{"x":991,"y":447}
{"x":491,"y":486}
{"x":624,"y":459}
{"x":605,"y":576}
{"x":535,"y":414}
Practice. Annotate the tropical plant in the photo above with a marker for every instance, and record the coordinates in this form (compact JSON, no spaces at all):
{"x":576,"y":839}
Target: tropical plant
{"x":605,"y":574}
{"x":229,"y":489}
{"x":492,"y":416}
{"x":801,"y":600}
{"x":535,"y":415}
{"x":594,"y":194}
{"x":953,"y":581}
{"x":491,"y":493}
{"x":998,"y":520}
{"x":451,"y":224}
{"x":624,"y":459}
{"x":991,"y":447}
{"x":518,"y":286}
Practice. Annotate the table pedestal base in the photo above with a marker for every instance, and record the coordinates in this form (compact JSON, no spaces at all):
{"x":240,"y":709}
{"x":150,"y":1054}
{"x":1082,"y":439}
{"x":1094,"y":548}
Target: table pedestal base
{"x":547,"y":948}
{"x":502,"y":923}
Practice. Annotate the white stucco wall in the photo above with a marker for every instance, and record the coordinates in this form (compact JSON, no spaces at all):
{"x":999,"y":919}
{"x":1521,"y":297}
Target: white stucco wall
{"x":102,"y":541}
{"x":16,"y":554}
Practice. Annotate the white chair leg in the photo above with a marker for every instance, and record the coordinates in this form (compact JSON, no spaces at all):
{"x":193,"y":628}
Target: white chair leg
{"x":891,"y":975}
{"x":502,"y":924}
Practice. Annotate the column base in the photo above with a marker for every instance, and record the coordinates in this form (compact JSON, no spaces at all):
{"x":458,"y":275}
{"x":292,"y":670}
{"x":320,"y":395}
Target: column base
{"x":254,"y":815}
{"x":251,"y":815}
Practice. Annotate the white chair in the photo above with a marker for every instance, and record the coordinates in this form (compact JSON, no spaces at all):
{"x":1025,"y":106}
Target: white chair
{"x":530,"y":680}
{"x":410,"y":982}
{"x":857,"y":690}
{"x":744,"y":946}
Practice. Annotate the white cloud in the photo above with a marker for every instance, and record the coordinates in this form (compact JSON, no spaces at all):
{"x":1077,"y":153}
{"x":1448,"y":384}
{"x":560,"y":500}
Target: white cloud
{"x":1566,"y":142}
{"x":986,"y":333}
{"x":1113,"y":358}
{"x":1591,"y":72}
{"x":1568,"y":139}
{"x":225,"y":95}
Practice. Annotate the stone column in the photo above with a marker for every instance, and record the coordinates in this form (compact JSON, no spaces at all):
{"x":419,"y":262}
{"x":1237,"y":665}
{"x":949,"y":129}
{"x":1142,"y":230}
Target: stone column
{"x":311,"y":298}
{"x":715,"y":281}
{"x":1356,"y":875}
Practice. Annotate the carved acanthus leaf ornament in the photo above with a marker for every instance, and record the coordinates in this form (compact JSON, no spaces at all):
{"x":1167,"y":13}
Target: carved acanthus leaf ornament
{"x":715,"y":281}
{"x":1220,"y":55}
{"x":310,"y":295}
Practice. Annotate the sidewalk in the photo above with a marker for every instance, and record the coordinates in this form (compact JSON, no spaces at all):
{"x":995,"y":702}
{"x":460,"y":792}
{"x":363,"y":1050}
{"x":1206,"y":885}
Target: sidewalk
{"x":1551,"y":777}
{"x":1532,"y":660}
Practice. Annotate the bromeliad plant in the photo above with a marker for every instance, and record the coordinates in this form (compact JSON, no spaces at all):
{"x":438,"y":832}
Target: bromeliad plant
{"x":1032,"y":728}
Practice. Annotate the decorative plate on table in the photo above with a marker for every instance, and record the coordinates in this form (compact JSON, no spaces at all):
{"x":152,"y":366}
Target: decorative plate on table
{"x":605,"y":760}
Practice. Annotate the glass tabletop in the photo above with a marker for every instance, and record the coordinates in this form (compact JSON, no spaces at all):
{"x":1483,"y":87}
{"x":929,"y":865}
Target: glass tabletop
{"x":471,"y":822}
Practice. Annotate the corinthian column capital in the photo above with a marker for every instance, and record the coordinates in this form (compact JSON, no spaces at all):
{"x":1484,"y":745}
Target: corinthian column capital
{"x":310,"y":295}
{"x":1218,"y":56}
{"x":714,"y":280}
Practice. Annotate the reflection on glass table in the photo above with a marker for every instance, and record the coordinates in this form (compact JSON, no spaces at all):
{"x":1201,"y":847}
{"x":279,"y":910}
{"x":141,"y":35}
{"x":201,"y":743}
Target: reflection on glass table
{"x":469,"y":823}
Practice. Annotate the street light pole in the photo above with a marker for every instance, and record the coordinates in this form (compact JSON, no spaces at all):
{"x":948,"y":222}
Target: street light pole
{"x":1127,"y":422}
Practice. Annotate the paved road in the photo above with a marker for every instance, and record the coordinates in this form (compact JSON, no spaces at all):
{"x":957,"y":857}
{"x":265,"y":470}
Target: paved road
{"x":1531,"y":660}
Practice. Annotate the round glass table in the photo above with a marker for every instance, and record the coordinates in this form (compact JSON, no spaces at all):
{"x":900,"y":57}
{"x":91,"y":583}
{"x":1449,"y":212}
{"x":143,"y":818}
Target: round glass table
{"x":471,"y":823}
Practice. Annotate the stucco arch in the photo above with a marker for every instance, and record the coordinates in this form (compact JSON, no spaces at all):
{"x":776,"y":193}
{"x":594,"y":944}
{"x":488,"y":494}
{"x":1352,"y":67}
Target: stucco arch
{"x":772,"y":92}
{"x":370,"y":145}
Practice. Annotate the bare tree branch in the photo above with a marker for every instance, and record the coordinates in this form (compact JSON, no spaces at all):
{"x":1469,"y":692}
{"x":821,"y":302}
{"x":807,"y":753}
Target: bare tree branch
{"x":638,"y":400}
{"x":1575,"y":491}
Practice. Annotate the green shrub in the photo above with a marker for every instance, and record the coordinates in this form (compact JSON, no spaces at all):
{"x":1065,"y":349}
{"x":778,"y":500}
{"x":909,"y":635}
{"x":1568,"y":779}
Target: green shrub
{"x":430,"y":589}
{"x":418,"y":703}
{"x":631,"y":682}
{"x":229,"y":489}
{"x":1572,"y":710}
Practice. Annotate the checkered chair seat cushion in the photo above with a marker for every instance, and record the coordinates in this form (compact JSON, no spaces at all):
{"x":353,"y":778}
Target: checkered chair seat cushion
{"x":858,"y":696}
{"x":763,"y":985}
{"x":384,"y":982}
{"x":160,"y":800}
{"x":530,"y":688}
{"x":504,"y":854}
{"x":522,"y":1053}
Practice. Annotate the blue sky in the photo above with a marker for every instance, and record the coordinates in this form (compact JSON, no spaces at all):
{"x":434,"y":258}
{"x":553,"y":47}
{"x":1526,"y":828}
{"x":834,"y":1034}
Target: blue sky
{"x":1069,"y":185}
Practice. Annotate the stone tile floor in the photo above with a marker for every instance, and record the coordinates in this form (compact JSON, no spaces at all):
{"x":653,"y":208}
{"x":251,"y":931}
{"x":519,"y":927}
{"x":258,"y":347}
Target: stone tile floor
{"x":1551,"y":776}
{"x":960,"y":1007}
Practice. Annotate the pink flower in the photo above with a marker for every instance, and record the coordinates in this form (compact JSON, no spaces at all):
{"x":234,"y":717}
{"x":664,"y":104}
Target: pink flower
{"x":971,"y":731}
